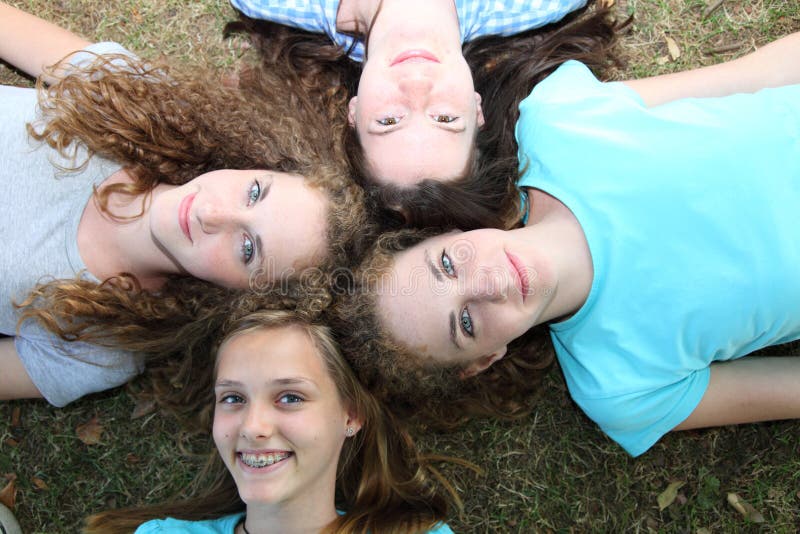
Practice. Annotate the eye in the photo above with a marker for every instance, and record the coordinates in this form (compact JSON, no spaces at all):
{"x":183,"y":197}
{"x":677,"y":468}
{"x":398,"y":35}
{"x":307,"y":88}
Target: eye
{"x":388,"y":121}
{"x":290,"y":398}
{"x":254,"y":193}
{"x":231,"y":398}
{"x":447,"y":264}
{"x":248,"y":249}
{"x":444,"y":118}
{"x":466,"y":323}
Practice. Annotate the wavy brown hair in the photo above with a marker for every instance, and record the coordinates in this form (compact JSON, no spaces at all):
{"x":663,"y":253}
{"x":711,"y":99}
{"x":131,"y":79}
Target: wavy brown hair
{"x":167,"y":125}
{"x":383,"y":483}
{"x":413,"y":385}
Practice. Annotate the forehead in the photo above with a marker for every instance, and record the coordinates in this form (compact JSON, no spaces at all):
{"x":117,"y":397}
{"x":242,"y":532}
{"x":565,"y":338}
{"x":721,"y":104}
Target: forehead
{"x":271,"y":353}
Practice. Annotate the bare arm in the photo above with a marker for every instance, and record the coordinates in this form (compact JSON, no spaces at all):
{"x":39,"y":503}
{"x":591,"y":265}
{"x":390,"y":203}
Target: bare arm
{"x":14,"y":380}
{"x":30,"y":43}
{"x":773,"y":65}
{"x":749,"y":390}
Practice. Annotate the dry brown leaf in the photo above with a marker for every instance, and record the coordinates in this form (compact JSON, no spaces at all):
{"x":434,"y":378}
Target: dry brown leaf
{"x":90,"y":432}
{"x":15,"y":416}
{"x":606,"y":3}
{"x":667,"y":497}
{"x":8,"y":495}
{"x":11,"y":442}
{"x":142,"y":408}
{"x":662,"y":60}
{"x":38,"y":483}
{"x":132,"y":459}
{"x":673,"y":48}
{"x":745,"y":508}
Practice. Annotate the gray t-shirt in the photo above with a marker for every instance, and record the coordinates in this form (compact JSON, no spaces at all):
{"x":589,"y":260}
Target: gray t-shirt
{"x":40,"y":209}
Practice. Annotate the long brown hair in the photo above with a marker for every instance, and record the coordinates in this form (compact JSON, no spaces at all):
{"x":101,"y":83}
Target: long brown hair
{"x":410,"y":383}
{"x":167,"y":125}
{"x":383,"y":483}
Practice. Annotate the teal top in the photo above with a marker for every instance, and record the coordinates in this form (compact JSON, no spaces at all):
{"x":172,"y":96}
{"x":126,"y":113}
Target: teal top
{"x":691,"y":211}
{"x":223,"y":525}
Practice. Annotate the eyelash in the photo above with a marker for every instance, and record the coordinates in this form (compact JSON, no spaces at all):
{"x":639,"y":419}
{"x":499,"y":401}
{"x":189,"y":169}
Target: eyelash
{"x":465,"y":319}
{"x":445,"y":118}
{"x":388,"y":121}
{"x":299,"y":398}
{"x":228,"y":398}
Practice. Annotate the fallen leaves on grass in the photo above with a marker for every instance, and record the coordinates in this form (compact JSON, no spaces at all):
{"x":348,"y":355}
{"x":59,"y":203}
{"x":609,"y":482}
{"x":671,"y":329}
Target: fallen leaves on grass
{"x":745,"y":508}
{"x":672,"y":48}
{"x":39,"y":484}
{"x":667,"y":497}
{"x":142,"y":408}
{"x":90,"y":432}
{"x":8,"y":495}
{"x":15,"y":417}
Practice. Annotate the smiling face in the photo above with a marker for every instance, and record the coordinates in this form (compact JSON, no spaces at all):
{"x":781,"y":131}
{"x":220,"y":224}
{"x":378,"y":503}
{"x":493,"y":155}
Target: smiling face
{"x":460,"y":298}
{"x":228,"y":226}
{"x":279,"y":421}
{"x":417,"y":115}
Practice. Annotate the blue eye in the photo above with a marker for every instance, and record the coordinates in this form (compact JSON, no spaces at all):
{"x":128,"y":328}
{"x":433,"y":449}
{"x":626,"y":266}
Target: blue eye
{"x":447,"y":264}
{"x":231,"y":398}
{"x":290,"y":398}
{"x":444,"y":118}
{"x":388,"y":121}
{"x":254,"y":193}
{"x":466,"y":323}
{"x":248,"y":249}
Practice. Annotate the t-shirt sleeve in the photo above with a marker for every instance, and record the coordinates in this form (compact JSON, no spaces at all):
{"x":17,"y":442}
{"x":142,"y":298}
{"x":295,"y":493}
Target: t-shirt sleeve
{"x":441,"y":528}
{"x":317,"y":16}
{"x":637,"y":420}
{"x":65,"y":371}
{"x":508,"y":17}
{"x":90,"y":53}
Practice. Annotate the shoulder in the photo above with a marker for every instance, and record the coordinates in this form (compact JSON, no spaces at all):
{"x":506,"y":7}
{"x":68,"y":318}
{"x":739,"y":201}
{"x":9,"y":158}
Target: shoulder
{"x":509,"y":17}
{"x":104,"y":48}
{"x":441,"y":528}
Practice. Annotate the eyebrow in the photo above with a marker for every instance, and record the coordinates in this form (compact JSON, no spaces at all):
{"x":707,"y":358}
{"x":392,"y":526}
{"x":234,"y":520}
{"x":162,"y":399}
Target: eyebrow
{"x":288,"y":381}
{"x":440,"y":277}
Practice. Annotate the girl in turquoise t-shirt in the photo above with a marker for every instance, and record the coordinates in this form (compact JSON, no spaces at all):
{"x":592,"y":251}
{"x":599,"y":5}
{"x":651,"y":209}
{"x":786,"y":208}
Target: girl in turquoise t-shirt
{"x":301,"y":446}
{"x":661,"y":247}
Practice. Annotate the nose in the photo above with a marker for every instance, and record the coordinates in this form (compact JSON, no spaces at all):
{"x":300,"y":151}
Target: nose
{"x":490,"y":285}
{"x":416,"y":86}
{"x":257,"y":424}
{"x":214,"y":217}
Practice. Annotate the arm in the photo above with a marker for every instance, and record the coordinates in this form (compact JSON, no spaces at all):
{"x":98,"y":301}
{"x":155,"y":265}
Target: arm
{"x":30,"y":43}
{"x":14,"y":380}
{"x":773,"y":65}
{"x":749,"y":390}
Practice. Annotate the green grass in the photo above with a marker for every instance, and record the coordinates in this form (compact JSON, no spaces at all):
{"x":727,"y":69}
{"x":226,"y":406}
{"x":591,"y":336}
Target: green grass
{"x":552,"y":472}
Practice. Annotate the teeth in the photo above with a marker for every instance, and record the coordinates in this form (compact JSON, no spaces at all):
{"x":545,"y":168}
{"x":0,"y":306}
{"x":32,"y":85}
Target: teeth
{"x":262,"y":460}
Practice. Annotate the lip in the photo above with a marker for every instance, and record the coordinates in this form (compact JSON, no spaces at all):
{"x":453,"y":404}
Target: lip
{"x":520,"y":274}
{"x":262,"y":470}
{"x":183,"y":215}
{"x":415,"y":55}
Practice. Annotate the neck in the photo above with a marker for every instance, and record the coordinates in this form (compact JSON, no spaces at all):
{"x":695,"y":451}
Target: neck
{"x":112,"y":245}
{"x":553,"y":227}
{"x":430,"y":24}
{"x":293,"y":517}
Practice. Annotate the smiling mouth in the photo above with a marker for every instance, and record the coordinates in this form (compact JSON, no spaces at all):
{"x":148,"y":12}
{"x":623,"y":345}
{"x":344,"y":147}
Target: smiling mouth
{"x":521,"y":274}
{"x":414,"y":56}
{"x":183,"y":215}
{"x":261,"y":460}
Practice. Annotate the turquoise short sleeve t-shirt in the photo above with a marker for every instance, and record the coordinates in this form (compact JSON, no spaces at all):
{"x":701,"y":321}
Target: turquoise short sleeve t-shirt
{"x":691,"y":212}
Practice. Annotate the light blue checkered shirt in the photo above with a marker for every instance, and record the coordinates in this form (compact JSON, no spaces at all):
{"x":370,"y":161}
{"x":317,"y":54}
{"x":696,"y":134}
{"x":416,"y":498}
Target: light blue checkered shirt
{"x":477,"y":18}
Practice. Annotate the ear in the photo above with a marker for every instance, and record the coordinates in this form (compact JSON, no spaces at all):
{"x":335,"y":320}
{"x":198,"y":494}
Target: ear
{"x":482,"y":363}
{"x":351,"y":111}
{"x":354,"y":421}
{"x":480,"y":120}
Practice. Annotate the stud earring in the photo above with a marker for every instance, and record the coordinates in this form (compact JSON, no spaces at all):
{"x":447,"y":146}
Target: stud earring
{"x":350,"y":432}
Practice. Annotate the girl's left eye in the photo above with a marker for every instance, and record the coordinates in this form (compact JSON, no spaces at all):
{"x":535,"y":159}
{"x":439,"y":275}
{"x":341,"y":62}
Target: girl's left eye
{"x":231,"y":398}
{"x":466,"y":323}
{"x":444,"y":118}
{"x":290,"y":398}
{"x":248,"y":249}
{"x":447,"y":264}
{"x":254,"y":193}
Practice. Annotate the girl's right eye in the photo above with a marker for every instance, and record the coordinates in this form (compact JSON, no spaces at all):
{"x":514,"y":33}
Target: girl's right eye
{"x":388,"y":121}
{"x":231,"y":398}
{"x":447,"y":264}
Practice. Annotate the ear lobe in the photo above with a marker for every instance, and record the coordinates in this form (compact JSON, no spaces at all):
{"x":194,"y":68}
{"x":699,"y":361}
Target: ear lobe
{"x":354,"y":421}
{"x":480,"y":120}
{"x":482,"y":363}
{"x":351,"y":111}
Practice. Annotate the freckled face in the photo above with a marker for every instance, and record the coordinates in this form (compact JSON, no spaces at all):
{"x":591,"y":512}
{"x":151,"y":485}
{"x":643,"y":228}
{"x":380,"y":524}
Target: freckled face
{"x":279,"y":421}
{"x":460,"y":298}
{"x":227,"y":226}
